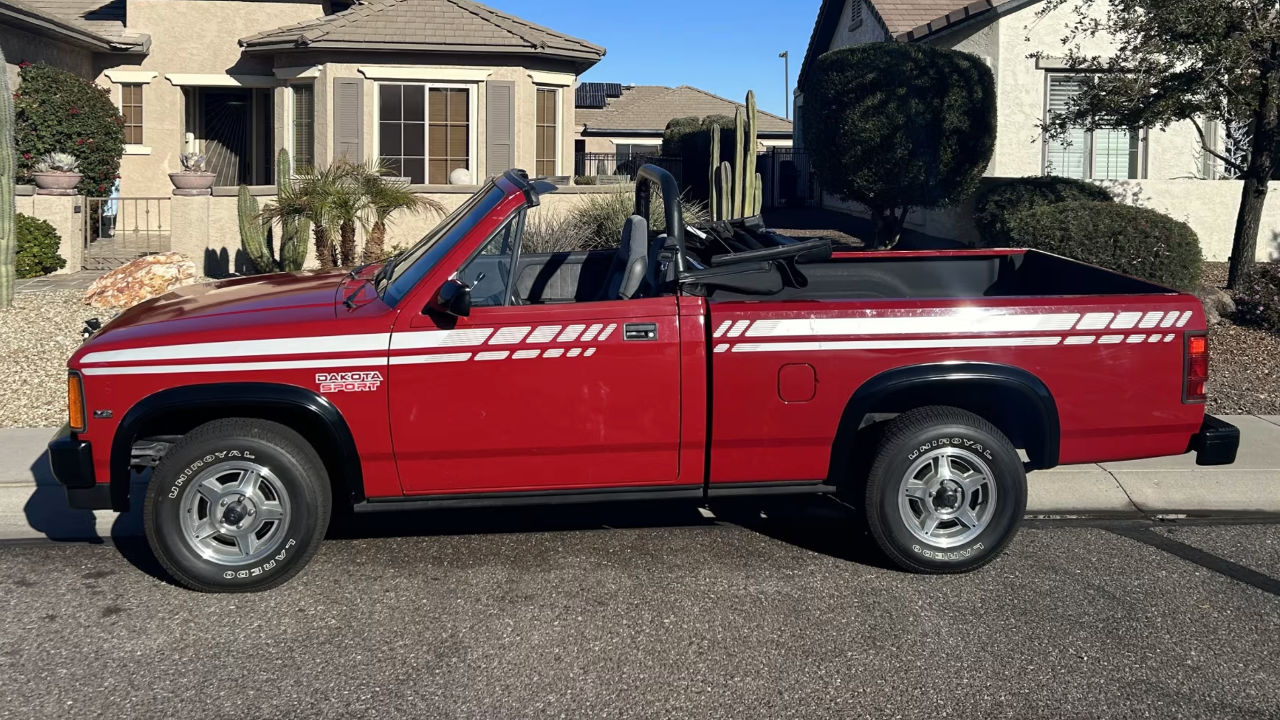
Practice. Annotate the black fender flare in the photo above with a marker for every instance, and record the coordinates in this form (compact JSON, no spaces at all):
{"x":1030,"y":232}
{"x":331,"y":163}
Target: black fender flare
{"x":226,"y":399}
{"x":917,"y":381}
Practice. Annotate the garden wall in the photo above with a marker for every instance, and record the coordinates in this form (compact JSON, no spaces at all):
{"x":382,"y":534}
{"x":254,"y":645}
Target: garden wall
{"x":1208,"y":206}
{"x":64,"y":214}
{"x":206,"y":228}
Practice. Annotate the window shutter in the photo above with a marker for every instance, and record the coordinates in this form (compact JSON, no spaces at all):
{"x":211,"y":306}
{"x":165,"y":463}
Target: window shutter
{"x":500,"y":127}
{"x":348,"y":118}
{"x":1067,"y":156}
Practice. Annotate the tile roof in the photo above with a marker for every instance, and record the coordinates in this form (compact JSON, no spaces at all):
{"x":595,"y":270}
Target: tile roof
{"x":457,"y":25}
{"x":101,"y":20}
{"x":651,"y":107}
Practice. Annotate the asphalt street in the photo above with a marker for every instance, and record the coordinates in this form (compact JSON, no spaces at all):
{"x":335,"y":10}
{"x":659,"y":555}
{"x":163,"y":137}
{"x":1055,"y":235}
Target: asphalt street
{"x":656,"y":612}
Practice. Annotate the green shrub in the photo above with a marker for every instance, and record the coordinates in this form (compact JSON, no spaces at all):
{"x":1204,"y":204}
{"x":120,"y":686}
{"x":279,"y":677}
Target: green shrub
{"x":596,"y":222}
{"x":1130,"y":240}
{"x":1258,"y":298}
{"x":900,"y":126}
{"x":57,"y":111}
{"x":584,"y":180}
{"x":995,"y":205}
{"x":38,"y":246}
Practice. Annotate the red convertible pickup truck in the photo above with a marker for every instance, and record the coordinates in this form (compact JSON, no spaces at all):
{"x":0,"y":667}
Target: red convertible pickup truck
{"x":695,"y":363}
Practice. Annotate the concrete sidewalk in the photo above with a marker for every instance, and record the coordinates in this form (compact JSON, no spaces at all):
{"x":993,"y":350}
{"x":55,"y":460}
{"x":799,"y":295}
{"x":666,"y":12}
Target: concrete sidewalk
{"x":33,"y":505}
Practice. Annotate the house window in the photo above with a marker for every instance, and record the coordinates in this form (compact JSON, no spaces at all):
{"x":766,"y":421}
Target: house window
{"x":855,"y":14}
{"x":1103,"y":154}
{"x":424,"y":133}
{"x":131,"y":109}
{"x":547,"y":132}
{"x":304,"y":126}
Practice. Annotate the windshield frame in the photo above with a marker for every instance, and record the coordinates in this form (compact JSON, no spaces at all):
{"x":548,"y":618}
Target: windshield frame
{"x":417,"y":262}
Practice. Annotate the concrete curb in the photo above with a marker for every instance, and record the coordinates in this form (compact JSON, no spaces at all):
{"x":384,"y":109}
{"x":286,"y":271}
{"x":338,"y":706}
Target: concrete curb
{"x":33,"y":505}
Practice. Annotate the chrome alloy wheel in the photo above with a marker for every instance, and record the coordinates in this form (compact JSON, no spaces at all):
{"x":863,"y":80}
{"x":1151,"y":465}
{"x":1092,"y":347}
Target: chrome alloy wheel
{"x":947,"y":497}
{"x":234,"y":513}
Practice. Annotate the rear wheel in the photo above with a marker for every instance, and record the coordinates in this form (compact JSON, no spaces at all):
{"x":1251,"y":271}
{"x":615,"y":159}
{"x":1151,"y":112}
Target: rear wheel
{"x":237,"y":505}
{"x":946,"y":491}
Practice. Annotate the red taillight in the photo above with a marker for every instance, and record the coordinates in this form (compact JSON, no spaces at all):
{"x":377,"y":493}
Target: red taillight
{"x":1196,"y":375}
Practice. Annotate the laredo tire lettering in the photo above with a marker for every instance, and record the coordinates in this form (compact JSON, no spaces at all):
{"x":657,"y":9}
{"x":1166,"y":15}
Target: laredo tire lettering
{"x":295,"y":468}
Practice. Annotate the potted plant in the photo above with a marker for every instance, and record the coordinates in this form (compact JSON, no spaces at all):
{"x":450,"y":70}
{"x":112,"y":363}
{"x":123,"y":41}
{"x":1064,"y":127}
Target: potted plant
{"x":193,"y":179}
{"x":58,"y":172}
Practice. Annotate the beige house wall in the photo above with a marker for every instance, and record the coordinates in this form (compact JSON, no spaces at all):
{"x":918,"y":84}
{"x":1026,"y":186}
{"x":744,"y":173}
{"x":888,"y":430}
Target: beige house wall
{"x":21,"y":46}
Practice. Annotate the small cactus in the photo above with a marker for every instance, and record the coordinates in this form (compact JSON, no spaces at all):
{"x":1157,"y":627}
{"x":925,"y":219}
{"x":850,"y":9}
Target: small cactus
{"x":293,"y":230}
{"x":8,"y":168}
{"x":726,"y":191}
{"x":253,"y":233}
{"x":58,"y":162}
{"x":192,"y":162}
{"x":713,"y":169}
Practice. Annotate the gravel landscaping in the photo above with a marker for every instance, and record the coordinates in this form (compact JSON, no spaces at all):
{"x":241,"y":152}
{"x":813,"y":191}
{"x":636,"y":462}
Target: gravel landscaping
{"x":42,"y":329}
{"x":37,"y":335}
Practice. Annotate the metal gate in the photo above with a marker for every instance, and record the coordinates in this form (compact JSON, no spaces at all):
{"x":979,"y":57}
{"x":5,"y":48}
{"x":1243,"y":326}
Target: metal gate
{"x":120,"y":229}
{"x":787,"y":180}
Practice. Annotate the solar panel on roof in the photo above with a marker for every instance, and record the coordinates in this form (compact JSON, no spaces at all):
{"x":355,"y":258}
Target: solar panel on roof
{"x":591,"y":96}
{"x":613,"y":90}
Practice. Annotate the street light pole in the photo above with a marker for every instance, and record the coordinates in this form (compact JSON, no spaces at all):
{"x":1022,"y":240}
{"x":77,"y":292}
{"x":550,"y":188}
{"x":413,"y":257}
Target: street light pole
{"x":786,"y":80}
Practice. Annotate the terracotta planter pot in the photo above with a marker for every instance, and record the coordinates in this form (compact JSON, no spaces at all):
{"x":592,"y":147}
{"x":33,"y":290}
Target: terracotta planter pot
{"x":193,"y":180}
{"x":56,"y":180}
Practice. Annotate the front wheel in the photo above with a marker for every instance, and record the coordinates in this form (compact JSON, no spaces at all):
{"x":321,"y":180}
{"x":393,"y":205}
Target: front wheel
{"x":237,"y":505}
{"x":946,"y":491}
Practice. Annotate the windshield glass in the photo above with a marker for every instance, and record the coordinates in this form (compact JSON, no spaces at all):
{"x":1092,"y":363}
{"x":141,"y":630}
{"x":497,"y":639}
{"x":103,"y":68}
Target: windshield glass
{"x":417,"y":261}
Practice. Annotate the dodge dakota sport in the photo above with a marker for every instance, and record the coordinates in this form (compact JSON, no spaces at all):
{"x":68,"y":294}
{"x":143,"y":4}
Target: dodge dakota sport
{"x":689,"y":362}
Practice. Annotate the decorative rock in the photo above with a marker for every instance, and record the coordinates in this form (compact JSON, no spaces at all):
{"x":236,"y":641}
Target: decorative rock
{"x":143,"y":279}
{"x":1216,"y":303}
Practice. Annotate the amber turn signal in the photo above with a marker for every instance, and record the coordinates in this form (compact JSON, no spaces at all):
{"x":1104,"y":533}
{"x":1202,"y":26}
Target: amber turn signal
{"x":75,"y":402}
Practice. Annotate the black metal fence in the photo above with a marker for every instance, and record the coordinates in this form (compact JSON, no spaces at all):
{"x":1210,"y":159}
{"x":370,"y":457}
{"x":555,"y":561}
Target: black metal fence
{"x":619,"y":168}
{"x":121,"y":228}
{"x":788,"y":181}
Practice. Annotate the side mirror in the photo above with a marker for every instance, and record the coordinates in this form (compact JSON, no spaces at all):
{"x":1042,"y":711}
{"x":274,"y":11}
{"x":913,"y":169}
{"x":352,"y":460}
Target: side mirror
{"x":452,"y":299}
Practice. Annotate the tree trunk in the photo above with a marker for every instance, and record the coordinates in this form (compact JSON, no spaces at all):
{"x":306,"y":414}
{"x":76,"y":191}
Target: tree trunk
{"x":1257,"y":176}
{"x":374,"y":245}
{"x":324,"y":246}
{"x":347,"y":232}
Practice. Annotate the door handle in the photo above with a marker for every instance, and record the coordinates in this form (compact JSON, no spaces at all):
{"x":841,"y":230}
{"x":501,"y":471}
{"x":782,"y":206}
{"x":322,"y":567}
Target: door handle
{"x":640,"y":331}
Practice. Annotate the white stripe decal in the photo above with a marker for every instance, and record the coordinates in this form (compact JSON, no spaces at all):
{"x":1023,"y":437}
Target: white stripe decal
{"x":526,"y":354}
{"x":723,"y":327}
{"x":1110,"y":339}
{"x":440,"y":339}
{"x":234,"y":367}
{"x":510,"y":336}
{"x":1153,"y":338}
{"x":607,"y":332}
{"x":574,"y":352}
{"x":1150,"y":319}
{"x":1168,"y":338}
{"x":430,"y":359}
{"x":1080,"y":340}
{"x":1096,"y":321}
{"x":1136,"y":339}
{"x":553,"y":353}
{"x":1185,"y":317}
{"x":493,"y":355}
{"x":1126,"y":320}
{"x":245,"y":348}
{"x":571,"y":333}
{"x":591,"y":332}
{"x":923,"y":325}
{"x":589,"y":352}
{"x":545,"y":333}
{"x":1169,"y":320}
{"x":828,"y":345}
{"x":722,"y":347}
{"x":741,"y":325}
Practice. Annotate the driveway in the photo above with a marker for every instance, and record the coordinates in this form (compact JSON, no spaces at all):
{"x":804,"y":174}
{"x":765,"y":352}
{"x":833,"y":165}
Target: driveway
{"x":656,"y":612}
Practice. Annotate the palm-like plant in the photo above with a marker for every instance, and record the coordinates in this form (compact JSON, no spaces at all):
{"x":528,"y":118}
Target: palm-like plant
{"x":311,"y":196}
{"x":385,"y":197}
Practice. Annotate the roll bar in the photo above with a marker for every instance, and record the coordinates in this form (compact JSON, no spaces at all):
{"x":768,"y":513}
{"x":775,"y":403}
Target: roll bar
{"x":645,"y":177}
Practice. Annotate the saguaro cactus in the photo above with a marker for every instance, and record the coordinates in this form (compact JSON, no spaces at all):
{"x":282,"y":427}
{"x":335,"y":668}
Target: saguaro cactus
{"x":726,"y":191}
{"x":713,"y":171}
{"x":750,"y":178}
{"x":8,"y":168}
{"x":739,"y":184}
{"x":293,"y":230}
{"x":253,"y":233}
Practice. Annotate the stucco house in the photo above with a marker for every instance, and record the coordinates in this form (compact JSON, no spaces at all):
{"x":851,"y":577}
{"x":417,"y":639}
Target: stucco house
{"x":615,"y":123}
{"x":442,"y":91}
{"x":1166,"y":170}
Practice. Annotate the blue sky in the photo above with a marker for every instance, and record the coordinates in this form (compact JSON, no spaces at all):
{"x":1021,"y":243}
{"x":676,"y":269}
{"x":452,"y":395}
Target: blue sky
{"x":724,"y":46}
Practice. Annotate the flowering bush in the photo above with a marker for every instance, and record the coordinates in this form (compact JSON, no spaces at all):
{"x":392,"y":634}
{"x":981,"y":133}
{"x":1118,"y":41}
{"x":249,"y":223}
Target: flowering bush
{"x":56,"y":111}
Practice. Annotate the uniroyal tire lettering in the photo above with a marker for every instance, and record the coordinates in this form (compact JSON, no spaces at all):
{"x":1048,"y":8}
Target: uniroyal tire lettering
{"x":966,"y":443}
{"x":964,"y":554}
{"x":186,"y":474}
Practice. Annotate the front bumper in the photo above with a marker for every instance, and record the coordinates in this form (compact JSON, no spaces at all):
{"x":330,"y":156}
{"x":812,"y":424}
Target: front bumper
{"x":71,"y":461}
{"x":1216,"y":443}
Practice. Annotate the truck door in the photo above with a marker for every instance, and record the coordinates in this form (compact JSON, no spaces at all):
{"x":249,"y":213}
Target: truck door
{"x":543,"y":396}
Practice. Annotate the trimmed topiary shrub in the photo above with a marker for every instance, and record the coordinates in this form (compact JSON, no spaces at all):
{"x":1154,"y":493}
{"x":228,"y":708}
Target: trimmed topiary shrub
{"x":57,"y":111}
{"x":995,"y":205}
{"x":38,"y":245}
{"x":1258,"y":298}
{"x":1130,"y":240}
{"x":899,"y":126}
